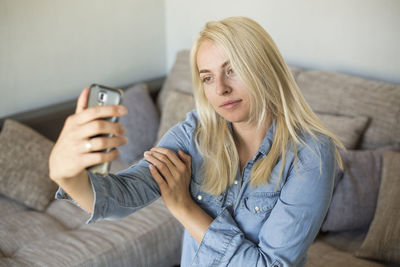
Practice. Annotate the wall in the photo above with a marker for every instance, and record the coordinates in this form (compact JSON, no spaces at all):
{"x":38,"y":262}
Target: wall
{"x":359,"y":37}
{"x":51,"y":49}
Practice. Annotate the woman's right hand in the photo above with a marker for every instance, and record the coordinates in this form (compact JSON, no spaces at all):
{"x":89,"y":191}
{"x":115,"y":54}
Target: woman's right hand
{"x":70,"y":155}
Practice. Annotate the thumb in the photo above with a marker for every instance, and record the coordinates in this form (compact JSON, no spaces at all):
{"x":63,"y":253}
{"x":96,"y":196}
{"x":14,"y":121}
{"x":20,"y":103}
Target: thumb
{"x":82,"y":101}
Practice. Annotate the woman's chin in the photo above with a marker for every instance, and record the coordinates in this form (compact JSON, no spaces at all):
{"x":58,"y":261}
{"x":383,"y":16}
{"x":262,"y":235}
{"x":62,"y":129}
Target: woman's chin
{"x":234,"y":117}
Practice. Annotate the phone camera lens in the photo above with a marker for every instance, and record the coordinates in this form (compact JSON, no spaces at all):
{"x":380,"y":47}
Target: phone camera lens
{"x":102,"y":97}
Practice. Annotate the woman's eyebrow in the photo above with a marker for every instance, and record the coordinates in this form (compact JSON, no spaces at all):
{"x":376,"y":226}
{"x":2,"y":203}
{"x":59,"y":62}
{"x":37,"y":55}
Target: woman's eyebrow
{"x":222,"y":66}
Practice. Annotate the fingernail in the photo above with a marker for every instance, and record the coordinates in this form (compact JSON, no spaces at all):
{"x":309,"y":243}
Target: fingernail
{"x":122,"y":110}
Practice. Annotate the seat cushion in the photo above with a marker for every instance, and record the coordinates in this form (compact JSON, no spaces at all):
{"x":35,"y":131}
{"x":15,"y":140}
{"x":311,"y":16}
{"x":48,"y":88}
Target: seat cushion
{"x":323,"y":254}
{"x":59,"y":237}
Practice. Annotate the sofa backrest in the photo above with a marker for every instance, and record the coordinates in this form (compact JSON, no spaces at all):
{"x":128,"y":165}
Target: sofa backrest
{"x":343,"y":94}
{"x":326,"y":92}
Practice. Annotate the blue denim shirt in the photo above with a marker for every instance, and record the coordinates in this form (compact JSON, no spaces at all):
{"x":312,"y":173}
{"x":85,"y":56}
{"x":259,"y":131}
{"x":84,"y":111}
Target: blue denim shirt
{"x":262,"y":226}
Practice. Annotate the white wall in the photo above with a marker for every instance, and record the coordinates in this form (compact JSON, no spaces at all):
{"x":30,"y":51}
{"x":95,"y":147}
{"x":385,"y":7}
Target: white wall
{"x":359,"y":37}
{"x":51,"y":49}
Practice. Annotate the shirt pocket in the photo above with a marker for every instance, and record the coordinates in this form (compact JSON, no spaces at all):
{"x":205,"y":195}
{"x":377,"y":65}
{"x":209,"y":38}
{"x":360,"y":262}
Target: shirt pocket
{"x":211,"y":204}
{"x":260,"y":203}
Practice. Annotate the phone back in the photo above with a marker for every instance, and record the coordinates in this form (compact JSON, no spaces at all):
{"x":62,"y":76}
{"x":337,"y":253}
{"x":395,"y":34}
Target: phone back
{"x":101,"y":95}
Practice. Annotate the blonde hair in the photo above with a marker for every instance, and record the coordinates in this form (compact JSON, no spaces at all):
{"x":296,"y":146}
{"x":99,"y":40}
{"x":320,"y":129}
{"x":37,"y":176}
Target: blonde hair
{"x":273,"y":93}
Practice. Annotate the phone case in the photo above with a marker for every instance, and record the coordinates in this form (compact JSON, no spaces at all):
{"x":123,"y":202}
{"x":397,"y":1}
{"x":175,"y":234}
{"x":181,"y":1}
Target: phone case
{"x":101,"y":95}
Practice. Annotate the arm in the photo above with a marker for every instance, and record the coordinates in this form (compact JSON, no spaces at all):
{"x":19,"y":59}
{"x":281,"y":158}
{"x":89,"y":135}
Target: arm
{"x":287,"y":233}
{"x":79,"y":188}
{"x":69,"y":157}
{"x":118,"y":195}
{"x":172,"y":172}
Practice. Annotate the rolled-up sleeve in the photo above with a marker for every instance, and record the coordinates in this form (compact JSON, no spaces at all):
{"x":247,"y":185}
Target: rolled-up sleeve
{"x":289,"y":230}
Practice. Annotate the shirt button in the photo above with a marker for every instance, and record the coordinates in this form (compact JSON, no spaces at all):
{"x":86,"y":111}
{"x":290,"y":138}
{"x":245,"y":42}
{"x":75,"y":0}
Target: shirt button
{"x":230,"y":204}
{"x":256,"y":208}
{"x":235,"y":182}
{"x":199,"y":197}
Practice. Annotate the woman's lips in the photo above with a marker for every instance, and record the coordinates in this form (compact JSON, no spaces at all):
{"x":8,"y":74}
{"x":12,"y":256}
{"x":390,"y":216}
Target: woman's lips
{"x":230,"y":104}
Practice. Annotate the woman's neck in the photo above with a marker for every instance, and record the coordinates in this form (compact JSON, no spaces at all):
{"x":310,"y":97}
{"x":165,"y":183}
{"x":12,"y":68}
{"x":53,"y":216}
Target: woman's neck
{"x":248,"y":139}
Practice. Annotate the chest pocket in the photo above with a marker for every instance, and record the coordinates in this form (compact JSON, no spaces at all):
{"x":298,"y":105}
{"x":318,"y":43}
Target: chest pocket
{"x":260,"y":203}
{"x":209,"y":203}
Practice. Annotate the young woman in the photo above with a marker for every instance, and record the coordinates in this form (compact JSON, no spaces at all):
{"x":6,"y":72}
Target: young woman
{"x":249,"y":174}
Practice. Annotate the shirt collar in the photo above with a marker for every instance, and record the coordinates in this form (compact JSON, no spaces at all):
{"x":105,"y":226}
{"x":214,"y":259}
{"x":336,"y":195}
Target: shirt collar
{"x":267,"y":141}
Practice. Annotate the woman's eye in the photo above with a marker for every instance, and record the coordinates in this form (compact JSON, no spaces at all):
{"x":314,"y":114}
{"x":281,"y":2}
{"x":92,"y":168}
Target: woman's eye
{"x":206,"y":79}
{"x":229,"y":72}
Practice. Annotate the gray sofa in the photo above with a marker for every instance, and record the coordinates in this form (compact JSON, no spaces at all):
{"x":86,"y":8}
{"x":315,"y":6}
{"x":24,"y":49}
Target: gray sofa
{"x":363,"y":113}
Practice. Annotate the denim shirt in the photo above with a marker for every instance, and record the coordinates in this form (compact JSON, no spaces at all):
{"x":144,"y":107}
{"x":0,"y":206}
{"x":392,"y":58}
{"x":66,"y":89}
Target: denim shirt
{"x":270,"y":225}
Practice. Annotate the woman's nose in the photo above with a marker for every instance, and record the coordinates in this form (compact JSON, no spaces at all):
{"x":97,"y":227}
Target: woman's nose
{"x":222,"y":87}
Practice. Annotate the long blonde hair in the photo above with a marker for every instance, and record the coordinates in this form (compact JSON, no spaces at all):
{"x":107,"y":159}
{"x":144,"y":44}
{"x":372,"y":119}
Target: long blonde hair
{"x":273,"y":92}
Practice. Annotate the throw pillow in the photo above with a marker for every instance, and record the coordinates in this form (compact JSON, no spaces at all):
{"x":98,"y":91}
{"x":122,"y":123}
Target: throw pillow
{"x":347,"y":129}
{"x":176,"y":106}
{"x":24,"y":167}
{"x":179,"y":78}
{"x":354,"y":198}
{"x":383,"y":237}
{"x":141,"y":123}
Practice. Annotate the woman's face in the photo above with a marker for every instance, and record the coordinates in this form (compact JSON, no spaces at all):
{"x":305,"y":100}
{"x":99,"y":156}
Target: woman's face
{"x":222,"y":87}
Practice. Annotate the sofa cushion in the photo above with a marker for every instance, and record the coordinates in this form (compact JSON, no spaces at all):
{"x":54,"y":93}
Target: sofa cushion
{"x":348,"y":129}
{"x":383,"y":238}
{"x":22,"y":228}
{"x":338,"y":93}
{"x":24,"y":167}
{"x":348,"y":241}
{"x":179,"y":79}
{"x":354,"y":199}
{"x":322,"y":254}
{"x":69,"y":215}
{"x":176,"y":106}
{"x":149,"y":237}
{"x":9,"y":206}
{"x":141,"y":123}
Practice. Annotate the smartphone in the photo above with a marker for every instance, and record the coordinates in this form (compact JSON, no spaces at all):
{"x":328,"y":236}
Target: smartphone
{"x":100,"y":95}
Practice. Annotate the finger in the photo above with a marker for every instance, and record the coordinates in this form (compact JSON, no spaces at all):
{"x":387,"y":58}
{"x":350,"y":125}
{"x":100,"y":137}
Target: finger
{"x":185,"y":158}
{"x":82,"y":101}
{"x":161,"y":166}
{"x":170,"y":154}
{"x":174,"y":170}
{"x":97,"y":127}
{"x":158,"y":178}
{"x":90,"y":159}
{"x":101,"y":143}
{"x":99,"y":112}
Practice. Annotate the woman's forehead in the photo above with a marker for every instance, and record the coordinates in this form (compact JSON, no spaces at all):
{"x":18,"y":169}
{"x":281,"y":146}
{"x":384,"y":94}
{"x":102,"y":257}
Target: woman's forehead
{"x":210,"y":56}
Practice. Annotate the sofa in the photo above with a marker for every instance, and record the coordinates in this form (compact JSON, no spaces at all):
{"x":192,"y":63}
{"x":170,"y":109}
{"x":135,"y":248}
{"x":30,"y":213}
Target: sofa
{"x":360,"y":229}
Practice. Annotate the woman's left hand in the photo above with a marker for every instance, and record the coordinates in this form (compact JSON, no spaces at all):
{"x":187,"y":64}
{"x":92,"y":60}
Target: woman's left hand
{"x":172,"y":173}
